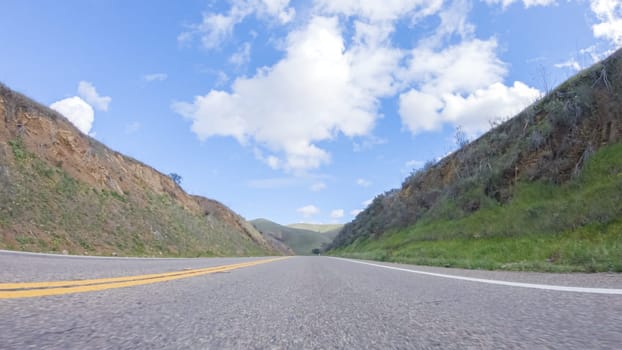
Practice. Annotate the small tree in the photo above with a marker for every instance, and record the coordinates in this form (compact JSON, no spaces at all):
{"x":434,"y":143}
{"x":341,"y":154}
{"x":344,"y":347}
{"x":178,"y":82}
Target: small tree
{"x":461,"y":137}
{"x":176,"y":177}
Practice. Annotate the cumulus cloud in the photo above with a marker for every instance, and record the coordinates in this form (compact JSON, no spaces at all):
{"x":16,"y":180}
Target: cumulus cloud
{"x":445,"y":91}
{"x":87,"y":91}
{"x":326,"y":86}
{"x":337,"y":214}
{"x":609,"y":15}
{"x":308,"y":211}
{"x":367,"y":202}
{"x":473,"y":112}
{"x":453,"y":68}
{"x":77,"y":111}
{"x":318,"y":91}
{"x":526,"y":3}
{"x":155,"y":77}
{"x":215,"y":28}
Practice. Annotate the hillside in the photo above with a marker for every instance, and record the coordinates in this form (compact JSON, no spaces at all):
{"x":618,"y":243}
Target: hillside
{"x":301,"y":241}
{"x":61,"y":190}
{"x":539,"y":191}
{"x":330,"y":230}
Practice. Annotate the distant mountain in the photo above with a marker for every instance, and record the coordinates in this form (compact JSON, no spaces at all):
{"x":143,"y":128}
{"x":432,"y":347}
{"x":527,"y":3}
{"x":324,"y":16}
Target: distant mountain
{"x":63,"y":191}
{"x":301,"y":241}
{"x":541,"y":190}
{"x":330,"y":230}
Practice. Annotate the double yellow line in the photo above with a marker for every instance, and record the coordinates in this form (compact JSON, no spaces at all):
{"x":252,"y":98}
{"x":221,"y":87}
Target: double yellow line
{"x":39,"y":289}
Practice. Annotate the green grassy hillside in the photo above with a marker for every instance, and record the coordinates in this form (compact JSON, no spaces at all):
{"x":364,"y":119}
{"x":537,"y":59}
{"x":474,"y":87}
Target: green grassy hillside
{"x":541,"y":191}
{"x":301,"y":241}
{"x":576,"y":226}
{"x":329,"y":229}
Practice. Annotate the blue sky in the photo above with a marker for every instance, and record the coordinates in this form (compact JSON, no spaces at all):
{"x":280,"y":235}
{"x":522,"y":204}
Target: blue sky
{"x":295,"y":111}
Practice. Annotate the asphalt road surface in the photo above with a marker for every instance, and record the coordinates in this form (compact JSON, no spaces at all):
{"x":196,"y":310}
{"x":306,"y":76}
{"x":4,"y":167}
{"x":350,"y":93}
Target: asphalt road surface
{"x":298,"y":303}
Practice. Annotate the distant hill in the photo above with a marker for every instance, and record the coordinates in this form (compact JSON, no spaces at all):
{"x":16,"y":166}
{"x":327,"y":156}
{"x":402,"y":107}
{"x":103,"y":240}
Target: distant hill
{"x":61,"y":190}
{"x":539,"y":191}
{"x":329,"y":229}
{"x":301,"y":241}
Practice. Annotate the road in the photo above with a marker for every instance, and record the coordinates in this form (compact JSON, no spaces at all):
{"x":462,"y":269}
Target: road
{"x":302,"y":303}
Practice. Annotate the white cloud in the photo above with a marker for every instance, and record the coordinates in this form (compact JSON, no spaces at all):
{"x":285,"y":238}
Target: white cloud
{"x":155,"y":77}
{"x":609,"y":14}
{"x":452,"y":69}
{"x":571,"y":63}
{"x":319,"y":90}
{"x":375,"y":11}
{"x":363,"y":182}
{"x":445,"y":91}
{"x":318,"y":186}
{"x":483,"y":105}
{"x":77,"y":111}
{"x":526,"y":3}
{"x":453,"y":20}
{"x":215,"y":28}
{"x":420,"y":111}
{"x":355,"y":212}
{"x":326,"y":86}
{"x":594,"y":53}
{"x":337,"y":214}
{"x":242,"y":56}
{"x":279,"y":9}
{"x":221,"y":78}
{"x":87,"y":91}
{"x":308,"y":211}
{"x":367,"y":202}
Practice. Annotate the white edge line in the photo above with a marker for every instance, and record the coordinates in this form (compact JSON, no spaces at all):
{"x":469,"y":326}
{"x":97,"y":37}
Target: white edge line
{"x":59,"y":255}
{"x":497,"y":282}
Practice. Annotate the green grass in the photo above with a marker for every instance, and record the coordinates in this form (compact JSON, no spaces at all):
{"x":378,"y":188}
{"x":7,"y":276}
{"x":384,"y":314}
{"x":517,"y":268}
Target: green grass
{"x":571,"y":227}
{"x":301,"y":241}
{"x":19,"y":151}
{"x":322,"y":228}
{"x":589,"y":249}
{"x":43,"y":208}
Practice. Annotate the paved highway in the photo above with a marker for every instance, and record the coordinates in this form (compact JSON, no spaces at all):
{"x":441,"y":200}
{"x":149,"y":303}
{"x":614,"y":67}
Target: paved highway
{"x":298,"y":303}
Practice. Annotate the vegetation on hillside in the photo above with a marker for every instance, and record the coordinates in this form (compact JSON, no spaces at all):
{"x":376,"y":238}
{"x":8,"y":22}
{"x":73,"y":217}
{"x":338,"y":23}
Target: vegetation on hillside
{"x":301,"y":241}
{"x":61,"y":191}
{"x":541,"y":190}
{"x":330,"y":230}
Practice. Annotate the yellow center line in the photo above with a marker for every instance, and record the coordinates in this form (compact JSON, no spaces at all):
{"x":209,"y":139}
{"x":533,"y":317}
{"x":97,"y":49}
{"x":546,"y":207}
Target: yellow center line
{"x":37,"y":289}
{"x":49,"y":284}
